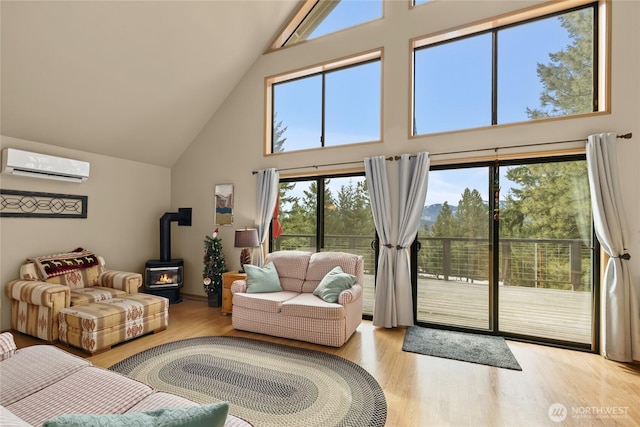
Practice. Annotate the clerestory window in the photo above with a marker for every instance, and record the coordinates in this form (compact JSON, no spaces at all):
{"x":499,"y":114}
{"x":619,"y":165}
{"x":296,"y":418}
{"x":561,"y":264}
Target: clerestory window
{"x":528,"y":68}
{"x":315,"y":18}
{"x":327,"y":105}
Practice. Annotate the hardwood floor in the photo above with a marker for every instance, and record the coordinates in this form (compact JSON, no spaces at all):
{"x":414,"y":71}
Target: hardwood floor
{"x":429,"y":391}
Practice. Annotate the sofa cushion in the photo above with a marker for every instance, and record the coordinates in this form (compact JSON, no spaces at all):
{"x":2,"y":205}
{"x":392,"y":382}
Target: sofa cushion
{"x":262,"y":279}
{"x":333,"y":283}
{"x":322,"y":263}
{"x":292,"y":268}
{"x":83,"y":296}
{"x":311,"y":307}
{"x":269,"y":302}
{"x":161,"y":399}
{"x":7,"y":345}
{"x":53,"y":364}
{"x":208,"y":415}
{"x":89,"y":390}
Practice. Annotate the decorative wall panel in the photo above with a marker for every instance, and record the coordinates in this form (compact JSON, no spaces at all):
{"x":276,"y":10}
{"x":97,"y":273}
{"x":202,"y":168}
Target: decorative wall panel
{"x":44,"y":205}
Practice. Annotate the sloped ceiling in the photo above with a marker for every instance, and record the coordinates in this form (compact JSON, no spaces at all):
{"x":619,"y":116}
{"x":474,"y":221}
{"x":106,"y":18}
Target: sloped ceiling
{"x":130,"y":79}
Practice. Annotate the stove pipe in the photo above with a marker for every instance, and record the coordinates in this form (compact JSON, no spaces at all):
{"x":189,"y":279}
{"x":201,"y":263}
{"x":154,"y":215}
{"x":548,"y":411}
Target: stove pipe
{"x":183,"y":216}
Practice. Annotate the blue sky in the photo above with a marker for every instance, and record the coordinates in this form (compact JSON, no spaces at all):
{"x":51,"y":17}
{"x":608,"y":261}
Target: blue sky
{"x":453,"y":91}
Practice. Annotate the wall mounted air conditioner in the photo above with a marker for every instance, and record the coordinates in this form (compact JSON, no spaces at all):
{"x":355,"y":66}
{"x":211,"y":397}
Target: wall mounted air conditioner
{"x":26,"y":163}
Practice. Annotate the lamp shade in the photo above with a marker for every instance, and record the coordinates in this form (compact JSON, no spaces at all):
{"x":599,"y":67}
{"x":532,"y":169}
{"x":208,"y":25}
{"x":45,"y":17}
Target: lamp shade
{"x":247,"y":238}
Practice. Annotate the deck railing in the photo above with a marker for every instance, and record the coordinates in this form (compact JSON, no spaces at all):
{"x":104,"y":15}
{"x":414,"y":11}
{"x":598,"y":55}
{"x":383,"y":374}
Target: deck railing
{"x":545,"y":263}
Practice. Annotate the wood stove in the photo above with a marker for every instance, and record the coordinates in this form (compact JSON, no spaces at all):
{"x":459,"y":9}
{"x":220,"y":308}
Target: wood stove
{"x":165,"y":276}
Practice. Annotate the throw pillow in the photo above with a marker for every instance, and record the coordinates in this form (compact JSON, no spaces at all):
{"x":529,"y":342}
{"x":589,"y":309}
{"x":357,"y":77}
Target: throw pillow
{"x":262,"y":279}
{"x":210,"y":415}
{"x":333,"y":283}
{"x":7,"y":345}
{"x":68,"y":262}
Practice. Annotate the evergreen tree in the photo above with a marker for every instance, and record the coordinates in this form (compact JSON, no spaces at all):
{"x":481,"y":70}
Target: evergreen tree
{"x":548,"y":201}
{"x":472,"y":215}
{"x":444,"y":225}
{"x":214,"y":265}
{"x":432,"y":252}
{"x":568,"y":78}
{"x":352,"y":211}
{"x":278,"y":135}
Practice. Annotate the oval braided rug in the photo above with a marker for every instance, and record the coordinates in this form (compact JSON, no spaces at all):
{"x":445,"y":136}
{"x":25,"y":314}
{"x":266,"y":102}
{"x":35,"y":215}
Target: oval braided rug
{"x":267,"y":384}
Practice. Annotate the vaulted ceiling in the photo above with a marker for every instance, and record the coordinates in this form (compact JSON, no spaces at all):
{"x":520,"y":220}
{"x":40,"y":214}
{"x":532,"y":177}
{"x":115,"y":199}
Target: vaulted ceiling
{"x":130,"y":79}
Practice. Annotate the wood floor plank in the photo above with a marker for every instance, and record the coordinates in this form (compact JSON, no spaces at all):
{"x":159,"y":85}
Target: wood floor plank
{"x":430,"y":391}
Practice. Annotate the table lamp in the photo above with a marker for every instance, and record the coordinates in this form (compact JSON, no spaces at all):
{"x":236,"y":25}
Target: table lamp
{"x":245,"y":239}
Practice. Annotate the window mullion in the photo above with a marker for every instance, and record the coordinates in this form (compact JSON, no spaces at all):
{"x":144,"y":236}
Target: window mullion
{"x":320,"y":209}
{"x":322,"y":124}
{"x":494,"y":78}
{"x":595,"y":66}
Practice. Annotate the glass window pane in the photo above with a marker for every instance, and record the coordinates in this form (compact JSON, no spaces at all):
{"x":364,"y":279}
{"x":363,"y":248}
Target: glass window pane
{"x":348,"y":227}
{"x":348,"y":13}
{"x":297,"y":107}
{"x":352,"y":104}
{"x":329,"y":16}
{"x":348,"y":223}
{"x":545,"y":68}
{"x":545,"y":280}
{"x":297,"y":216}
{"x":453,"y":85}
{"x":454,"y":261}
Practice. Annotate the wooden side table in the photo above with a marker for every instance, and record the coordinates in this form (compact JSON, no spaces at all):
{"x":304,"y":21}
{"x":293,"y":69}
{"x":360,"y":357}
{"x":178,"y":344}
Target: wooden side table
{"x":227,"y":298}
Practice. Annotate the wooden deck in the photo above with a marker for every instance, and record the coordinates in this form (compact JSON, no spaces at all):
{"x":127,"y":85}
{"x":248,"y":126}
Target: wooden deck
{"x":547,"y":313}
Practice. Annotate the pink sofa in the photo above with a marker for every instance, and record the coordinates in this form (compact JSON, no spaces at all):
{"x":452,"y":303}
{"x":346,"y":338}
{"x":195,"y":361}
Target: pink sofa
{"x":295,"y":312}
{"x":42,"y":381}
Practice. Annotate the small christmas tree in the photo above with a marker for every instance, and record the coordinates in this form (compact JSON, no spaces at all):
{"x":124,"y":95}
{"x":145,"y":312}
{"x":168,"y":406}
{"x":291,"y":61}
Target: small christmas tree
{"x":214,"y":264}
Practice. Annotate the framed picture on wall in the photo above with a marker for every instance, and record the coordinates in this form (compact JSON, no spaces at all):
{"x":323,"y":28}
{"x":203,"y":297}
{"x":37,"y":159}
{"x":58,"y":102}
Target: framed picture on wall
{"x":224,"y":204}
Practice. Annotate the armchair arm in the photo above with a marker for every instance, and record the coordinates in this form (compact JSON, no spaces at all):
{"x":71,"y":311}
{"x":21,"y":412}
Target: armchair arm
{"x":123,"y":280}
{"x":239,"y":286}
{"x":349,"y":295}
{"x":39,"y":293}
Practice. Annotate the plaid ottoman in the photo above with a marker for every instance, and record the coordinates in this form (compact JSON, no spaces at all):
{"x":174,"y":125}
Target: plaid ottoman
{"x":97,"y":326}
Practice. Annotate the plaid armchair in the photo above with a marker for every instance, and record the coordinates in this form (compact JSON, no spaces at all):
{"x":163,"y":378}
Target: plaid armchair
{"x":50,"y":283}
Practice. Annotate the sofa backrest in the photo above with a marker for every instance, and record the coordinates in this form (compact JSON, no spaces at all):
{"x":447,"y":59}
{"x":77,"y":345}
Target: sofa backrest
{"x":84,"y":269}
{"x":291,"y":266}
{"x":323,"y":262}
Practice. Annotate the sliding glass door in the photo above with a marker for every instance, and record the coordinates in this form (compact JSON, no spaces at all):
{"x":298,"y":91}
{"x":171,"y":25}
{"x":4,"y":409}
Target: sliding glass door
{"x":329,"y":213}
{"x":454,"y":259}
{"x":545,"y":265}
{"x":508,"y":248}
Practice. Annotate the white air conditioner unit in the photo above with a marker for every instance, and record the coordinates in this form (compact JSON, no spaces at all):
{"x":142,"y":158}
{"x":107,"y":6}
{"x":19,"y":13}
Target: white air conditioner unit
{"x":26,"y":163}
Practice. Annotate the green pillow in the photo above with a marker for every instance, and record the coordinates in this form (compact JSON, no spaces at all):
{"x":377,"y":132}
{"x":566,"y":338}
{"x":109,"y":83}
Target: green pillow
{"x":333,"y":283}
{"x":262,"y":279}
{"x":210,"y":415}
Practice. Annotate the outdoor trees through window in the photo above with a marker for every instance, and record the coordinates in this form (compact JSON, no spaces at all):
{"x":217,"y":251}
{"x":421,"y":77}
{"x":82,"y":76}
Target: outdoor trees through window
{"x":531,"y":272}
{"x":328,"y":105}
{"x":540,"y":68}
{"x":329,"y":214}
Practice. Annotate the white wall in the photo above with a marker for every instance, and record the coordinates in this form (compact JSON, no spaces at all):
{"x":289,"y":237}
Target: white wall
{"x":231,"y":144}
{"x":125,"y":202}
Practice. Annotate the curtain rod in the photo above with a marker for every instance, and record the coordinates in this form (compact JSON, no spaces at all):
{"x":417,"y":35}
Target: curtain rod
{"x":391,"y":158}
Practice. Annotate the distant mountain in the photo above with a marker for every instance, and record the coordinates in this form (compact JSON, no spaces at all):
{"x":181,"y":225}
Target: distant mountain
{"x":430,"y":213}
